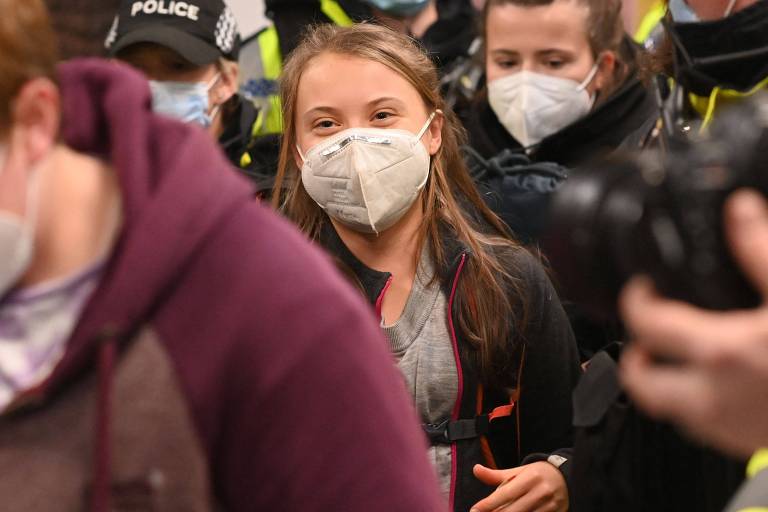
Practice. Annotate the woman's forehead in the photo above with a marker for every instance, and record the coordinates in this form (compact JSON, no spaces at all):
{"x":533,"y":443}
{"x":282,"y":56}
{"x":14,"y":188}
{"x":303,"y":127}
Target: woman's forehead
{"x":341,"y":81}
{"x":561,"y":23}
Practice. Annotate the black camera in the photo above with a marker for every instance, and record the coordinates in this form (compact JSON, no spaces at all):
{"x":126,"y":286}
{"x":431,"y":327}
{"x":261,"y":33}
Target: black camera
{"x":659,"y":213}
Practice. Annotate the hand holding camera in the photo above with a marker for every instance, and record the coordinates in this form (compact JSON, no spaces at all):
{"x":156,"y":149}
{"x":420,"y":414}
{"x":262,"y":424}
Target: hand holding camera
{"x":719,"y":387}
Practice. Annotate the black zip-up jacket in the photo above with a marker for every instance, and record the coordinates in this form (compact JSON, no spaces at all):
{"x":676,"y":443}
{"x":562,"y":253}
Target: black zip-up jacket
{"x":550,"y":370}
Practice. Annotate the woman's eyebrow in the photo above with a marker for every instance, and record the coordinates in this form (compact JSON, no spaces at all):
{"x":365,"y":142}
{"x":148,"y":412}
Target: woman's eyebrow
{"x":550,"y":51}
{"x":504,"y":52}
{"x":386,"y":99}
{"x":321,"y":110}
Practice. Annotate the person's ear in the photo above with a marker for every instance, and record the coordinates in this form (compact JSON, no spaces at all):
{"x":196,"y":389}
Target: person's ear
{"x":36,"y":119}
{"x":435,"y":131}
{"x":605,"y":70}
{"x":227,"y":85}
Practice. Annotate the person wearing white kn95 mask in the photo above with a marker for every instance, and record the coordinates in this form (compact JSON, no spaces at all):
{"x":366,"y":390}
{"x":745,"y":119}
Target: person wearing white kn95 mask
{"x":374,"y":174}
{"x":562,"y":81}
{"x":386,"y":170}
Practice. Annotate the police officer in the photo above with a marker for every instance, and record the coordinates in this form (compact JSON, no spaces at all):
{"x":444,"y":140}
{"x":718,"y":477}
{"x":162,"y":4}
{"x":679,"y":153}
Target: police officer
{"x":717,"y":53}
{"x":189,"y":51}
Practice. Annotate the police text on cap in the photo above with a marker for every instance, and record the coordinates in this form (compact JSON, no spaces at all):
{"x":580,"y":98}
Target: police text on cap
{"x":181,"y":9}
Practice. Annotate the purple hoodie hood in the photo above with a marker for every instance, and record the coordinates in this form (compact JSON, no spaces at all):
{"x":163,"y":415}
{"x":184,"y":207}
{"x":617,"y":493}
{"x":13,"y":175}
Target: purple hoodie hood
{"x":176,"y":186}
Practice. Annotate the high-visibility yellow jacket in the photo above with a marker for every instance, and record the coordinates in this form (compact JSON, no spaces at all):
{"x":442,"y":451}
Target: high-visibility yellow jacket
{"x":753,"y":495}
{"x":261,"y":63}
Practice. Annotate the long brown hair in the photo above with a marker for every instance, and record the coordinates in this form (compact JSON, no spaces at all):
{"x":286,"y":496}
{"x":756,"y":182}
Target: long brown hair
{"x":605,"y":32}
{"x":450,"y":200}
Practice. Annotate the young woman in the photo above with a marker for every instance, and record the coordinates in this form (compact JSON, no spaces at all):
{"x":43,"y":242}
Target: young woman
{"x":562,"y":81}
{"x":562,"y":88}
{"x":375,"y":175}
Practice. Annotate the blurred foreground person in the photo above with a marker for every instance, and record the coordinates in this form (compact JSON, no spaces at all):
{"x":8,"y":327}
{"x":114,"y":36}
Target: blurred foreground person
{"x":149,"y":354}
{"x":376,"y":177}
{"x":189,"y":52}
{"x":718,"y":387}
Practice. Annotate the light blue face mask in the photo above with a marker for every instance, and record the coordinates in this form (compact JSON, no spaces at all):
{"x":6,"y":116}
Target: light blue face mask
{"x":682,"y":13}
{"x":185,"y":101}
{"x":400,"y":8}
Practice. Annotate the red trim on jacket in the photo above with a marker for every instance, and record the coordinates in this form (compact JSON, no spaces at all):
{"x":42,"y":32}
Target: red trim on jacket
{"x":456,"y":355}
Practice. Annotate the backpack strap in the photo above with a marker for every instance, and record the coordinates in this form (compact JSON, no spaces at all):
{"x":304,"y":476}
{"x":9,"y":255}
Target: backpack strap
{"x":449,"y":431}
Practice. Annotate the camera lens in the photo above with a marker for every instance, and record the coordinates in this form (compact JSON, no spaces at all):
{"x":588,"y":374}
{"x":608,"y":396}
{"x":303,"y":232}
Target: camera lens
{"x":594,"y":221}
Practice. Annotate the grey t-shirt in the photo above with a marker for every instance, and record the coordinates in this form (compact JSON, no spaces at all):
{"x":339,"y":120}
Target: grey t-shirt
{"x":421,"y":343}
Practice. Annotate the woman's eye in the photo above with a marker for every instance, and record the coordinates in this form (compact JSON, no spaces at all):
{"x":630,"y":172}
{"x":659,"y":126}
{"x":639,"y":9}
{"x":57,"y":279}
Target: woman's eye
{"x":325,"y":123}
{"x":506,"y":64}
{"x":555,"y":63}
{"x":381,"y":116}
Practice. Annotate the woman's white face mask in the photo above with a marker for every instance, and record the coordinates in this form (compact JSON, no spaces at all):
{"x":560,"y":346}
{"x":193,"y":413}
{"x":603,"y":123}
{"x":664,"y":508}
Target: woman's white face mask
{"x":533,"y":106}
{"x":16,"y":234}
{"x":367,"y":178}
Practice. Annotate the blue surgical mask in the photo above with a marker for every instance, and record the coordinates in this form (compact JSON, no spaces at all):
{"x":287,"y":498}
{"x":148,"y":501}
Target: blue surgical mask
{"x":400,"y":8}
{"x":682,"y":13}
{"x":185,"y":101}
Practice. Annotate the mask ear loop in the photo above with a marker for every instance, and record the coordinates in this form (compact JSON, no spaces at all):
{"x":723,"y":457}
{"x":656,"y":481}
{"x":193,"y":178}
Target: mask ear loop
{"x":208,"y":86}
{"x":591,"y":76}
{"x":427,"y":125}
{"x":592,"y":72}
{"x":729,"y":9}
{"x":301,"y":155}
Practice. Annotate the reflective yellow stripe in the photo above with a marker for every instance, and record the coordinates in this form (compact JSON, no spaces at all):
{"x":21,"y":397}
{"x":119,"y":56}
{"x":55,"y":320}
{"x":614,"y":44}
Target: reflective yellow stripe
{"x":650,"y":20}
{"x":758,"y":462}
{"x":335,"y":13}
{"x":272,"y":63}
{"x":753,"y":509}
{"x":258,"y":125}
{"x":271,"y":59}
{"x":706,"y":105}
{"x":274,"y":122}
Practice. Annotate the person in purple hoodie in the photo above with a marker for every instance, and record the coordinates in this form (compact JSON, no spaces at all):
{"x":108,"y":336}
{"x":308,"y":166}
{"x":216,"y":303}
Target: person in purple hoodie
{"x":166,"y":343}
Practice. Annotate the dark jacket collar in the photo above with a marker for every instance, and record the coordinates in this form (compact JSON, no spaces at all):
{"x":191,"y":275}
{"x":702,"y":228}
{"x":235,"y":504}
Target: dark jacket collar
{"x":373,"y":281}
{"x":238,"y":131}
{"x":262,"y":152}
